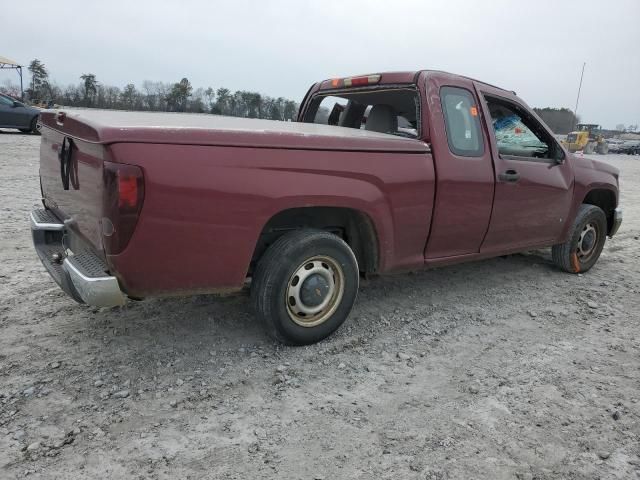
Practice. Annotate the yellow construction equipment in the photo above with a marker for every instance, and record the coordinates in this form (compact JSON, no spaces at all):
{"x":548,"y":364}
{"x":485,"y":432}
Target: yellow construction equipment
{"x":588,"y":138}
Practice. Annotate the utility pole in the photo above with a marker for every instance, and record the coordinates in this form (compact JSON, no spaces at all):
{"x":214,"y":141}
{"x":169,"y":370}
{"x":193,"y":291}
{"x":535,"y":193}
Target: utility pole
{"x":575,"y":111}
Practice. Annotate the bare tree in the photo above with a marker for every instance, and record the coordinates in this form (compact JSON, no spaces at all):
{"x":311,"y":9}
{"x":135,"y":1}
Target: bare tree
{"x":209,"y":98}
{"x":39,"y":88}
{"x":179,"y":95}
{"x":90,"y":87}
{"x":129,"y":97}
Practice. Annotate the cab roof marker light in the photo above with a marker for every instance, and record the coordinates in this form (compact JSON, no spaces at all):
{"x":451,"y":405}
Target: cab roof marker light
{"x":361,"y":81}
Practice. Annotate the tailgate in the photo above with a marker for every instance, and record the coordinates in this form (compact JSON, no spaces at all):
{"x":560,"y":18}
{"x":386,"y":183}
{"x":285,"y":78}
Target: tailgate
{"x":71,"y":175}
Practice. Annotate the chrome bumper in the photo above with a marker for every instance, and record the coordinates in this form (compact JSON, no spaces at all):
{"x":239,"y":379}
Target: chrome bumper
{"x":617,"y":221}
{"x":82,"y":275}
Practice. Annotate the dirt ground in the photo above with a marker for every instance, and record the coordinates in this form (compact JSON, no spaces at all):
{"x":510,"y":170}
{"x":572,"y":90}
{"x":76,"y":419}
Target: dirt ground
{"x":500,"y":369}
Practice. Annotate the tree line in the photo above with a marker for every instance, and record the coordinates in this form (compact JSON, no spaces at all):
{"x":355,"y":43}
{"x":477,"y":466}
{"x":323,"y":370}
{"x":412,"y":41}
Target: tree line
{"x":182,"y":97}
{"x":156,"y":96}
{"x":562,"y":121}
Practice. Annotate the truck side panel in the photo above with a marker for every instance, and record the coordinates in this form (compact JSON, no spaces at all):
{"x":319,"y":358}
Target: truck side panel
{"x":205,"y":207}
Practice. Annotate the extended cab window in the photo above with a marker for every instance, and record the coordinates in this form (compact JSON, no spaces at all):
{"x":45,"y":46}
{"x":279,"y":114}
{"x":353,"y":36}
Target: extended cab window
{"x":518,"y":133}
{"x":394,"y":111}
{"x":461,"y":121}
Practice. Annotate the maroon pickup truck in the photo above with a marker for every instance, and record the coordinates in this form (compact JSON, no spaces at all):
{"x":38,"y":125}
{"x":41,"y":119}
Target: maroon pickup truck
{"x":381,"y":173}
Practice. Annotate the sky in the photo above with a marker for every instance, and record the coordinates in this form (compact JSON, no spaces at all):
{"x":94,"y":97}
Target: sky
{"x":281,"y":47}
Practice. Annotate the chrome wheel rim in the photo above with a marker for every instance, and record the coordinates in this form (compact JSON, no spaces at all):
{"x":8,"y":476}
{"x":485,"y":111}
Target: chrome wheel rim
{"x":587,"y":242}
{"x":314,"y":291}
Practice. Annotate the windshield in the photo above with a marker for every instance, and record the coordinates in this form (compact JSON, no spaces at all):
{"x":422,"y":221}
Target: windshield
{"x":390,"y":110}
{"x":6,"y":100}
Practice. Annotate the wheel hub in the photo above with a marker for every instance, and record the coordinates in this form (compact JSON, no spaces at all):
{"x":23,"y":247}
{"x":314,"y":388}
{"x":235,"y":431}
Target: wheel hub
{"x":314,"y":291}
{"x":587,"y":242}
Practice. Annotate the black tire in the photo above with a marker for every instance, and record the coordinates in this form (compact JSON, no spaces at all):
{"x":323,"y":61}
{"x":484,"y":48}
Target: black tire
{"x":34,"y":126}
{"x":569,"y":256}
{"x":274,"y":277}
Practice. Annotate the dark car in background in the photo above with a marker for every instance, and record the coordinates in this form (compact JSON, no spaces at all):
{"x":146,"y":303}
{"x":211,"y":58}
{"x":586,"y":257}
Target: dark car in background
{"x":630,"y":147}
{"x":15,"y":114}
{"x":615,"y":145}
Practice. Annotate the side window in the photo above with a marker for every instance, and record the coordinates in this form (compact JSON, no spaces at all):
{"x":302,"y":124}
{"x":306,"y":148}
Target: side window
{"x":462,"y":122}
{"x":517,"y":132}
{"x":6,"y":101}
{"x":330,"y":110}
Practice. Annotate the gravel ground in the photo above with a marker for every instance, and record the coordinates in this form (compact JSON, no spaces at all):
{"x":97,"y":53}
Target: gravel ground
{"x":500,"y":369}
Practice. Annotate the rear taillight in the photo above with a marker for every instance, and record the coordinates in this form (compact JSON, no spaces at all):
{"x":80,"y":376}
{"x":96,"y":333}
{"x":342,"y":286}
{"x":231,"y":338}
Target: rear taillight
{"x":123,"y":197}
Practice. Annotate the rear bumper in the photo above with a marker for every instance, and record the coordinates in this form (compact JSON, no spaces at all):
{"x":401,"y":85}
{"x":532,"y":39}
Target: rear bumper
{"x":617,"y":221}
{"x":82,"y":274}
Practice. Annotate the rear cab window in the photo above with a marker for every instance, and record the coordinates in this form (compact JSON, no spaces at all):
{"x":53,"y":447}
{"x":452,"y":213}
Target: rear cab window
{"x":394,"y":111}
{"x":462,"y":123}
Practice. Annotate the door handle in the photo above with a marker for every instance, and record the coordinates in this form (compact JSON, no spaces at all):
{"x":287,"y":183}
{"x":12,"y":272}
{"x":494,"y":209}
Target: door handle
{"x":509,"y":176}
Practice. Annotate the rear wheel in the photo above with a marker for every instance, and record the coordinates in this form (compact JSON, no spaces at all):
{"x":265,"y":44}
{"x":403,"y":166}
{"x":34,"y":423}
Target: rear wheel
{"x":33,"y":126}
{"x":305,"y":286}
{"x":582,"y":250}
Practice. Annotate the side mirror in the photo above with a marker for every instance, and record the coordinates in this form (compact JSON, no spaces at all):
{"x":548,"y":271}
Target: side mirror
{"x":16,"y":104}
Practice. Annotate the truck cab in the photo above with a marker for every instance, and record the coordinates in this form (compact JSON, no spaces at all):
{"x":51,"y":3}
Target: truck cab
{"x":497,"y":167}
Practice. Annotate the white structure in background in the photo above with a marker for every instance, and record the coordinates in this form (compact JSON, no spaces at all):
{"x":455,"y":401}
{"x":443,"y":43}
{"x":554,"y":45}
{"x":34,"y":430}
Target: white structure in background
{"x":8,"y":63}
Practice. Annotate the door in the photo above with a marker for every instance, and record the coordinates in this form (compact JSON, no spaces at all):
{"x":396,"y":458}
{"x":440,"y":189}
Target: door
{"x":534,"y":181}
{"x":8,"y":117}
{"x":464,"y":172}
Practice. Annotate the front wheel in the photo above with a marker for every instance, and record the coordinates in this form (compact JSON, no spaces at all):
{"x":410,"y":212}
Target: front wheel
{"x":582,"y":250}
{"x":304,"y":286}
{"x":34,"y":126}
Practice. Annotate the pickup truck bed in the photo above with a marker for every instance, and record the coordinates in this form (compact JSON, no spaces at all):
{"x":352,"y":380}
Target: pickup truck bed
{"x":110,"y":126}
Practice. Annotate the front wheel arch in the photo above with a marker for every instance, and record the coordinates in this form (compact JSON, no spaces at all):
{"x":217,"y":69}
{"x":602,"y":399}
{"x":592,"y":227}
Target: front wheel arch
{"x":568,"y":255}
{"x":604,"y":199}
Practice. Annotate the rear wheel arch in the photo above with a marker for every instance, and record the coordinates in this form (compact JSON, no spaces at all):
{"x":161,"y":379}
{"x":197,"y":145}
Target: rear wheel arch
{"x":355,"y":227}
{"x":606,"y":200}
